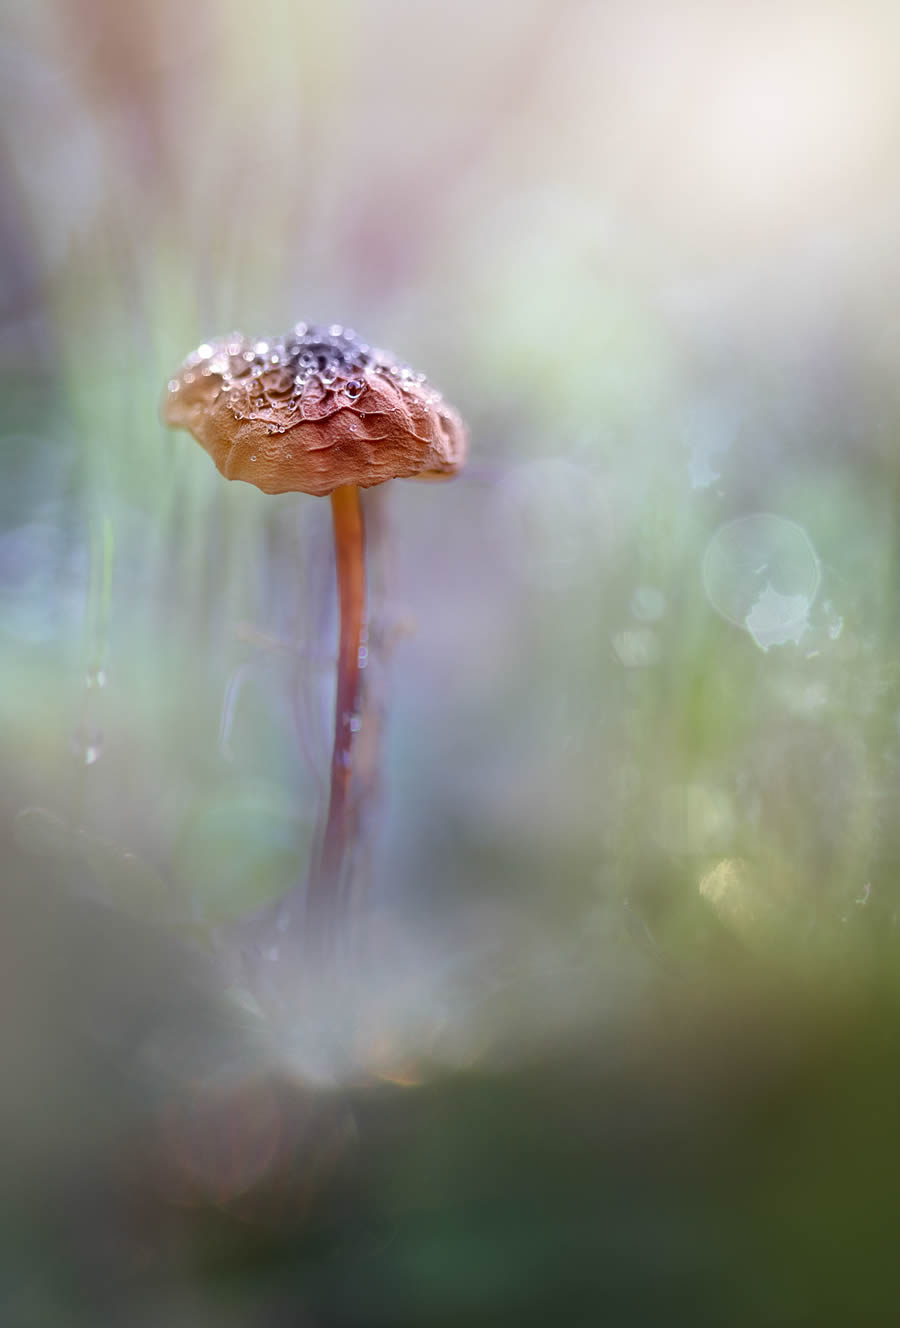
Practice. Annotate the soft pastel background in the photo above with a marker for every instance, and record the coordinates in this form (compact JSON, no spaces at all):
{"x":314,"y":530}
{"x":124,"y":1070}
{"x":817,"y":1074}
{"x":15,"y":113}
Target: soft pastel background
{"x":617,"y":1037}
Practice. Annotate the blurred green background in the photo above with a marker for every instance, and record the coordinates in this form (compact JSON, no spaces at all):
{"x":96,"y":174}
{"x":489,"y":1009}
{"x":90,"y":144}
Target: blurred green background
{"x":616,"y":1039}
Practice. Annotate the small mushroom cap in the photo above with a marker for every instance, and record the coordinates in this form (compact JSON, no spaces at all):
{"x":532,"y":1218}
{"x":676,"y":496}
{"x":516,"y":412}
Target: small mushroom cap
{"x":312,"y":411}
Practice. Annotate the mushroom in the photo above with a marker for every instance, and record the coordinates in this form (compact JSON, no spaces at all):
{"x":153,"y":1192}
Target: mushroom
{"x":321,"y":412}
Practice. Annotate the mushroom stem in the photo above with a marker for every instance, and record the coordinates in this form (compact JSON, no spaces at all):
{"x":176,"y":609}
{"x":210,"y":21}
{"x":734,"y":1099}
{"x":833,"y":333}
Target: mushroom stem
{"x":350,"y":550}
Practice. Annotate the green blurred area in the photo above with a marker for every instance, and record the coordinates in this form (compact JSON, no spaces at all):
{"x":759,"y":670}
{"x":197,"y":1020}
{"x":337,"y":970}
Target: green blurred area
{"x":638,"y":663}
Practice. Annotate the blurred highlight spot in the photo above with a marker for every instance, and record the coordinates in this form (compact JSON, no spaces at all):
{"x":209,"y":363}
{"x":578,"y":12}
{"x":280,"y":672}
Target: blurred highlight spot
{"x":732,"y":891}
{"x":776,"y":620}
{"x":761,"y":572}
{"x":391,"y":1066}
{"x":636,"y":647}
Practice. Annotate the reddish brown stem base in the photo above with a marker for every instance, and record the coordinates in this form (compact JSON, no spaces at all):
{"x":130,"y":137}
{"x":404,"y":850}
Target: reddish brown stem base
{"x":350,"y":548}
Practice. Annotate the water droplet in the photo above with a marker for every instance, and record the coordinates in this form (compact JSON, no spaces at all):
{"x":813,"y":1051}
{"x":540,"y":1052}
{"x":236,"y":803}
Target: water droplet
{"x":261,"y":348}
{"x":336,"y":330}
{"x":87,"y":744}
{"x":204,"y":350}
{"x":289,"y":455}
{"x":764,"y":568}
{"x":637,"y":648}
{"x":355,"y":723}
{"x":776,"y":619}
{"x":253,"y":458}
{"x":363,"y":656}
{"x":173,"y":384}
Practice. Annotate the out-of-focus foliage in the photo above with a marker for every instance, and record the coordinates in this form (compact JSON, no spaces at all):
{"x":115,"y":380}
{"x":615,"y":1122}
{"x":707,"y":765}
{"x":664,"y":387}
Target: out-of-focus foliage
{"x":638,"y":667}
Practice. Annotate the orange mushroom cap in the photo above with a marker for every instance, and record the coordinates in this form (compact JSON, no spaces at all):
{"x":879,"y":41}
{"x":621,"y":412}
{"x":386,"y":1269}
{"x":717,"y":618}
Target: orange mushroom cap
{"x":312,"y":411}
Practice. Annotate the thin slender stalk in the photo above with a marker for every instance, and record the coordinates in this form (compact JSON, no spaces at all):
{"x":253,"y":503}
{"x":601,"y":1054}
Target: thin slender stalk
{"x":349,"y":546}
